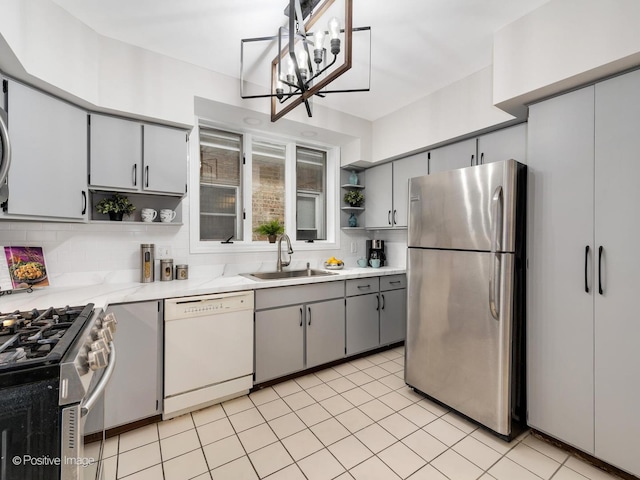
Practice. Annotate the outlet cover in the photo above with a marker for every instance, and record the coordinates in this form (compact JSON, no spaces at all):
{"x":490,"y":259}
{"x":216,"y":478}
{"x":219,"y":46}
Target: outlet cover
{"x":163,"y":252}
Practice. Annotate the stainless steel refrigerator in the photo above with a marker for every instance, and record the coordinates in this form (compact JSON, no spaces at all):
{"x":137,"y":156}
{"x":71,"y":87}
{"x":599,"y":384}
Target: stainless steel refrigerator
{"x":466,"y":288}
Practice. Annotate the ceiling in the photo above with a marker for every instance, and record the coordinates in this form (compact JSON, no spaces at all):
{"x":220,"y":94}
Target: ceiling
{"x":417,"y":46}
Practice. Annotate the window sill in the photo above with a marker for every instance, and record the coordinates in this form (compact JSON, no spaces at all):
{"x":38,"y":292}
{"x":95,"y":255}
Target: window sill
{"x":241,"y":247}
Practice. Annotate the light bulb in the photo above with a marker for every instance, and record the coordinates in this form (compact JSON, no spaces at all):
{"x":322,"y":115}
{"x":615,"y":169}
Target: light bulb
{"x":318,"y":40}
{"x":334,"y":32}
{"x":291,"y":72}
{"x":303,"y":60}
{"x":334,"y":28}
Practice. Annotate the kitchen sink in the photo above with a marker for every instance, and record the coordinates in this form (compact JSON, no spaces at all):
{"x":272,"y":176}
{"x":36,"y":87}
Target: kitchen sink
{"x":287,"y":274}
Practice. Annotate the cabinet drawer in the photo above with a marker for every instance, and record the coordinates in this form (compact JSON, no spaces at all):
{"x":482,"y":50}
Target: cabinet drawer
{"x":392,"y":282}
{"x":360,"y":286}
{"x":296,"y":294}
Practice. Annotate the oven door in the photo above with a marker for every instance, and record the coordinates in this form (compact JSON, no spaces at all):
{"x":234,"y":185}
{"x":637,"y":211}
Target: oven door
{"x":83,"y":429}
{"x":5,"y":156}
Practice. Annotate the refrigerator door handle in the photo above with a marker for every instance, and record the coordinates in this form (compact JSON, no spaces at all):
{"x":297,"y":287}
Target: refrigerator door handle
{"x":494,"y":278}
{"x":497,"y":214}
{"x":494,"y":286}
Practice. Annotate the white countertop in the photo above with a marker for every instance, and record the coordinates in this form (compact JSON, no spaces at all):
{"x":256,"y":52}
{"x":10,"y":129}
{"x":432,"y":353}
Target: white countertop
{"x":102,"y":295}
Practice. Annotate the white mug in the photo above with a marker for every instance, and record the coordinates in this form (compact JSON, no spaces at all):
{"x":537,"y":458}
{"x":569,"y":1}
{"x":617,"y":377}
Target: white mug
{"x":148,"y":214}
{"x":167,"y":215}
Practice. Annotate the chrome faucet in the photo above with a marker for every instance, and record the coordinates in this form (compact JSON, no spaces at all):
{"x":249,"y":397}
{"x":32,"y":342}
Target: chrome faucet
{"x":281,"y":263}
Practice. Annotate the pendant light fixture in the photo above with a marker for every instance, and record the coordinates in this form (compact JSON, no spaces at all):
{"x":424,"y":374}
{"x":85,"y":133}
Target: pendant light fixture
{"x":303,"y":64}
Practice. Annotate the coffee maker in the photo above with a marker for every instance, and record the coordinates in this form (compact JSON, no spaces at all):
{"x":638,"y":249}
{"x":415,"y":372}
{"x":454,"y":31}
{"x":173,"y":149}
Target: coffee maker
{"x":375,"y":249}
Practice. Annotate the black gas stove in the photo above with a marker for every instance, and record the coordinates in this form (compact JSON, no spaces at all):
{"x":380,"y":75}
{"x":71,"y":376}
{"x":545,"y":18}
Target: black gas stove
{"x":54,"y":363}
{"x":38,"y":337}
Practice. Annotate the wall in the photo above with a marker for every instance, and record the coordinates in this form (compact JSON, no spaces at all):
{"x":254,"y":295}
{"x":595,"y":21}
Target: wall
{"x":459,"y":109}
{"x":43,"y":45}
{"x":562,"y":45}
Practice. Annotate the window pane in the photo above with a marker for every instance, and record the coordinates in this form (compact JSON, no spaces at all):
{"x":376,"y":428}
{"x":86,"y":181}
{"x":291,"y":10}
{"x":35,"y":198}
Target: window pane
{"x":268,"y":192}
{"x":311,"y":167}
{"x":220,"y":178}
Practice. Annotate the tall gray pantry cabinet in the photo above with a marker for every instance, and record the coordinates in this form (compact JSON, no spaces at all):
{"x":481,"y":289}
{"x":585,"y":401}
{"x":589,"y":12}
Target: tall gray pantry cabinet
{"x":584,"y":269}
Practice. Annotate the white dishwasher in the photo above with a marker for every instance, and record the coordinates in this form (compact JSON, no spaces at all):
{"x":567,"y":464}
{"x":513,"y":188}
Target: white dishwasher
{"x":208,"y":350}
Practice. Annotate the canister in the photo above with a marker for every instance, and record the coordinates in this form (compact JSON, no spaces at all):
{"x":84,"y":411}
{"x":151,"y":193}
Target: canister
{"x":147,"y":262}
{"x":182,"y":272}
{"x":166,"y":270}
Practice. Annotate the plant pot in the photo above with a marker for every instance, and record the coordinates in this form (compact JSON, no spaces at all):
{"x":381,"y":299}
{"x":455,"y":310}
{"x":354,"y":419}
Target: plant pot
{"x":116,"y":217}
{"x":272,"y":238}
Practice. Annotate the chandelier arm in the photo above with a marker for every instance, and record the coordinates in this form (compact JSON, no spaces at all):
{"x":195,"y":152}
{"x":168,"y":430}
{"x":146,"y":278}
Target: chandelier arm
{"x":319,"y":72}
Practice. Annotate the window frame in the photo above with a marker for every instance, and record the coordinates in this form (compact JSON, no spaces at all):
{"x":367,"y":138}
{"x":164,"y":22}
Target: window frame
{"x":332,"y":216}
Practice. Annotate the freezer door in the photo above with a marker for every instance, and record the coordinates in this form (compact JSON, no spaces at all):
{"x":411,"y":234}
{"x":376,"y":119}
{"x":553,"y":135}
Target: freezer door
{"x":466,"y":209}
{"x":456,"y":351}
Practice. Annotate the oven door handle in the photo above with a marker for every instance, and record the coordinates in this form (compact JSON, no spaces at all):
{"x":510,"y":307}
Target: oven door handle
{"x":86,"y":407}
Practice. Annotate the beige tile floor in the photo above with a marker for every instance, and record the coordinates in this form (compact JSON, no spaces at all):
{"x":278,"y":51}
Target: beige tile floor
{"x":357,"y":420}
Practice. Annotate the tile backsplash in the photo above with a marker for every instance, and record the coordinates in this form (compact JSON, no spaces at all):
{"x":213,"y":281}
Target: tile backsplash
{"x":83,"y":254}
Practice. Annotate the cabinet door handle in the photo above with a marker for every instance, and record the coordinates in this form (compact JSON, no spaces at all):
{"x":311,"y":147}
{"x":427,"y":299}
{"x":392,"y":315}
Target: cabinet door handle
{"x":135,"y":174}
{"x":378,"y":300}
{"x":84,"y":202}
{"x":389,"y":217}
{"x":364,"y":286}
{"x":300,"y":316}
{"x":600,"y":250}
{"x":395,"y":218}
{"x":395,"y":282}
{"x":309,"y":311}
{"x":482,"y":158}
{"x":382,"y":295}
{"x":472,"y":158}
{"x":146,"y":176}
{"x":586,"y":261}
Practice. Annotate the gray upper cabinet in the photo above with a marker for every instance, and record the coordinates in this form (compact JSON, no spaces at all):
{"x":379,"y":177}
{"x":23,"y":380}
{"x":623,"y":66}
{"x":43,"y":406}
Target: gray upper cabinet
{"x":457,"y":155}
{"x":48,"y":173}
{"x":507,"y":143}
{"x":164,"y":160}
{"x":584,"y":273}
{"x":403,"y":170}
{"x":115,"y":153}
{"x":388,"y":191}
{"x":127,"y":155}
{"x":379,"y":197}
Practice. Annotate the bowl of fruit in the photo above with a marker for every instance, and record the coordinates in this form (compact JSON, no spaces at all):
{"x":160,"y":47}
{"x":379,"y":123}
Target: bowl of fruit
{"x":334,"y":264}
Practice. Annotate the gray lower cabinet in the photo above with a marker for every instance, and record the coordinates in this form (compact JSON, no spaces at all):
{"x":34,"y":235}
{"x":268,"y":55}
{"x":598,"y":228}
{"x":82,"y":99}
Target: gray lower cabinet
{"x":324,"y":331}
{"x":393,"y":316}
{"x":135,"y":389}
{"x":363,"y":324}
{"x":376,"y":312}
{"x":298,"y":327}
{"x":279,"y":338}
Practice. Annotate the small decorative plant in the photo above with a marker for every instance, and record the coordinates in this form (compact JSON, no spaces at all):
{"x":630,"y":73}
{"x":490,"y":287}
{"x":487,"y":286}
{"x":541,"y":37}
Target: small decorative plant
{"x":115,"y":206}
{"x":271,"y":229}
{"x":354,"y":198}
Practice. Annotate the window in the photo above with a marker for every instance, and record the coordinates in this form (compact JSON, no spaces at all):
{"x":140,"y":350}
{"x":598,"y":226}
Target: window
{"x":268,"y":179}
{"x":311,"y":166}
{"x":220,"y":177}
{"x":244,"y":181}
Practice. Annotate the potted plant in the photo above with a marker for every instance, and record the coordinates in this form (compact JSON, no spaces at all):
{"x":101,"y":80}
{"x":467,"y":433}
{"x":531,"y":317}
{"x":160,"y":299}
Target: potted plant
{"x":116,"y":206}
{"x":271,"y":229}
{"x":354,"y":198}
